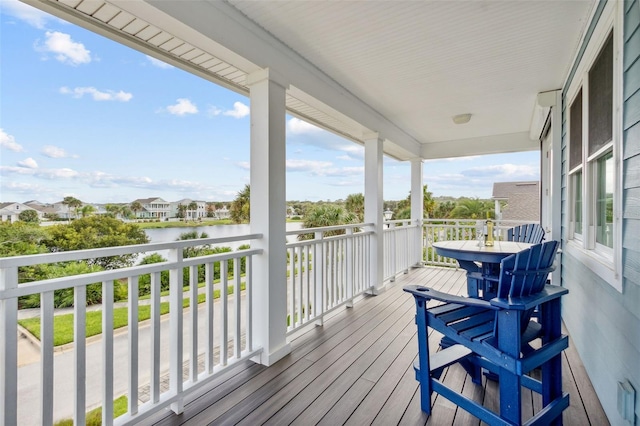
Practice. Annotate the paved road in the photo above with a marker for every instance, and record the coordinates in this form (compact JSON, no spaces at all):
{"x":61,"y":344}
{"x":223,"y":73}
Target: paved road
{"x":64,"y":365}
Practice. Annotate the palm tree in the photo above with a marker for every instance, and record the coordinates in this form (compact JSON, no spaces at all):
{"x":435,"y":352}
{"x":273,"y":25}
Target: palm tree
{"x":470,"y":208}
{"x":327,"y":215}
{"x":355,"y":204}
{"x":87,"y":210}
{"x":72,"y":203}
{"x":240,"y":207}
{"x":113,"y":209}
{"x":181,"y":211}
{"x":136,"y":206}
{"x":193,"y":206}
{"x":428,"y":203}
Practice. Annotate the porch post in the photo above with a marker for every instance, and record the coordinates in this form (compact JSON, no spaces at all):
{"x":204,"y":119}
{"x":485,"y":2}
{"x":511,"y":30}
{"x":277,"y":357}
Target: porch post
{"x":268,"y":214}
{"x":417,"y":208}
{"x":373,"y":205}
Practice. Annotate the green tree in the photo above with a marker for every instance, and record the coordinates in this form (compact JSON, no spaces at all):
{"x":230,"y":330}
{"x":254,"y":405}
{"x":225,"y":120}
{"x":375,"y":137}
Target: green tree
{"x":72,"y":203}
{"x":443,"y":209}
{"x":327,"y":215}
{"x":21,"y":238}
{"x":428,"y":203}
{"x":193,"y":207}
{"x":94,"y":232}
{"x":29,"y":216}
{"x":355,"y":204}
{"x":87,"y":210}
{"x":65,"y":298}
{"x":240,"y":207}
{"x":470,"y":208}
{"x":181,"y":211}
{"x":144,"y":281}
{"x":136,"y":207}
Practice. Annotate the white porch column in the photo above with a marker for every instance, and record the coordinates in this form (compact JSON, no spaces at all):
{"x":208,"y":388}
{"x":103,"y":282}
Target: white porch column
{"x":268,"y":214}
{"x":373,"y":205}
{"x":417,"y":207}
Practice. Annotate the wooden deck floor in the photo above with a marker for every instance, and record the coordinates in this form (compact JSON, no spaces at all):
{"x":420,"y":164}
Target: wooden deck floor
{"x":357,"y":370}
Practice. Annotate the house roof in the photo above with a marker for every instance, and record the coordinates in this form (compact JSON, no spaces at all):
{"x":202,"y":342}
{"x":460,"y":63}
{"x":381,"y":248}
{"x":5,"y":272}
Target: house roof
{"x":401,"y":69}
{"x":523,"y":199}
{"x":150,"y":200}
{"x":502,"y":190}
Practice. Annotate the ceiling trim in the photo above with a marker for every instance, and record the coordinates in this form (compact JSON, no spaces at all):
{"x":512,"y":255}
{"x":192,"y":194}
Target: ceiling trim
{"x":496,"y":144}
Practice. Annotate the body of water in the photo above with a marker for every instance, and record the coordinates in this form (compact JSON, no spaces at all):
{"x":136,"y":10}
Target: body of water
{"x":162,"y":235}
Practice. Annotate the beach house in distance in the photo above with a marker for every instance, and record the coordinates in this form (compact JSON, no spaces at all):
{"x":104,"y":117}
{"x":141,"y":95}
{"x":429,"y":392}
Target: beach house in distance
{"x":415,"y":81}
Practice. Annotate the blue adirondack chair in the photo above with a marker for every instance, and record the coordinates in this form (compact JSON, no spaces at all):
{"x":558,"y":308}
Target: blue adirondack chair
{"x":531,"y":233}
{"x":490,"y":335}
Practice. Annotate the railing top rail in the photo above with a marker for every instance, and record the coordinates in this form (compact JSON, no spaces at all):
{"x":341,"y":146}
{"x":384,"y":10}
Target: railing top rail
{"x":116,"y":274}
{"x":65,"y":256}
{"x":331,"y":238}
{"x":328,"y":228}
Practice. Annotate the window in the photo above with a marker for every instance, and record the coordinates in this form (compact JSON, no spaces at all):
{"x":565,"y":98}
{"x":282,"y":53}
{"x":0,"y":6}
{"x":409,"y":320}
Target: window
{"x":593,"y":142}
{"x":604,"y":200}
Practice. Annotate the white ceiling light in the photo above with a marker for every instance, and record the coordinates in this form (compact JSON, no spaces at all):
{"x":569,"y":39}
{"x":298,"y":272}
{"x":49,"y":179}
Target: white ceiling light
{"x":461,"y":118}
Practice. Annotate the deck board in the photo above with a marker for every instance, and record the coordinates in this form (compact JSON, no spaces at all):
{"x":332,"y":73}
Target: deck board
{"x":357,"y":369}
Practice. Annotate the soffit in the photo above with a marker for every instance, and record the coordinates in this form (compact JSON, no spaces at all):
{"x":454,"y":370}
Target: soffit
{"x":419,"y":63}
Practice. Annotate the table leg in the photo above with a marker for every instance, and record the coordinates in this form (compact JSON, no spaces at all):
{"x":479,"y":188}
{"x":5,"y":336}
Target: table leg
{"x":473,"y":279}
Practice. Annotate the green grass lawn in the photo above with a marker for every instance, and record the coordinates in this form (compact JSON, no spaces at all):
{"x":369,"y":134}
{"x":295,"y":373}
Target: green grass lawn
{"x":94,"y":417}
{"x":63,"y":324}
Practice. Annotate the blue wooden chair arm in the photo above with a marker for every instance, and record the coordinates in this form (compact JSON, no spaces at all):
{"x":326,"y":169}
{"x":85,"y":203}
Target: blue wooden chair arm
{"x":550,"y":292}
{"x":427,"y":293}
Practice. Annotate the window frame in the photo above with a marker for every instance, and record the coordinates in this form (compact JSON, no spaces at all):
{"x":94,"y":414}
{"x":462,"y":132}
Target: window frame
{"x":603,"y":260}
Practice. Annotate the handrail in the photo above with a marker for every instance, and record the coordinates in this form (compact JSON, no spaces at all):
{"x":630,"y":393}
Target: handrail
{"x":217,"y":341}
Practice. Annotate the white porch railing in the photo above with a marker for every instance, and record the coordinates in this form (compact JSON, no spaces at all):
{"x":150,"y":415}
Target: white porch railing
{"x":402,"y":242}
{"x":456,"y":229}
{"x":217,"y":335}
{"x":326,"y":272}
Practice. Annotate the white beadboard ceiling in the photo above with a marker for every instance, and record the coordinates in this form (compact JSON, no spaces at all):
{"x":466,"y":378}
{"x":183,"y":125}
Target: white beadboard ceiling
{"x":400,"y":68}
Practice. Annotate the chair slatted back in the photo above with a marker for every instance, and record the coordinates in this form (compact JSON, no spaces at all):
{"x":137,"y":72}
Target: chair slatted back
{"x":531,"y":233}
{"x":525,"y":273}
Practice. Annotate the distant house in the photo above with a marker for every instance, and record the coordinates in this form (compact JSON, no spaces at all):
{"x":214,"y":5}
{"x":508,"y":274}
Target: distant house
{"x":58,"y":209}
{"x":522,"y":200}
{"x":222,"y":213}
{"x":199,"y":213}
{"x":11,"y":210}
{"x":154,"y":207}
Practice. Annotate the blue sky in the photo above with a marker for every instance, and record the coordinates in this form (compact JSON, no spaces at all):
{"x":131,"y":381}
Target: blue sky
{"x":81,"y":115}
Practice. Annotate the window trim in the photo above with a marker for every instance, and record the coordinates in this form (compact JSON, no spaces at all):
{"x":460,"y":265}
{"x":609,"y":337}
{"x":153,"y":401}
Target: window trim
{"x":604,"y":261}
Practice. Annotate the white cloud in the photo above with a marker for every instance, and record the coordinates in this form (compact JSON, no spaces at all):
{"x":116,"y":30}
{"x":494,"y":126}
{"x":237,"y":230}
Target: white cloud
{"x":9,"y":142}
{"x":183,"y":107}
{"x":245,"y":165}
{"x":29,"y":163}
{"x":64,"y":49}
{"x":239,"y":110}
{"x":312,"y":166}
{"x":322,"y":168}
{"x":297,"y":126}
{"x":158,"y":63}
{"x":50,"y":174}
{"x":24,"y":12}
{"x":501,"y":172}
{"x":213,"y":111}
{"x":97,"y":95}
{"x":56,"y":152}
